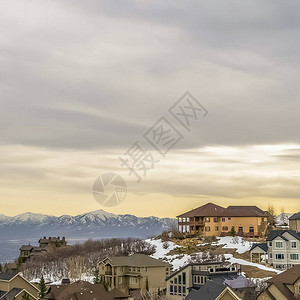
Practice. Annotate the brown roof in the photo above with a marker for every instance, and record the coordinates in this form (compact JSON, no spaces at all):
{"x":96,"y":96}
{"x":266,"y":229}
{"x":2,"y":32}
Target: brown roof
{"x":213,"y":210}
{"x":288,"y":277}
{"x":82,"y":290}
{"x":26,"y":248}
{"x":207,"y":210}
{"x":243,"y":211}
{"x":137,"y":260}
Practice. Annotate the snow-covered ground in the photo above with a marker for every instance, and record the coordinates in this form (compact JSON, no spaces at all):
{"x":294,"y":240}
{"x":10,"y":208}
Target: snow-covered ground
{"x":178,"y":261}
{"x":236,"y":242}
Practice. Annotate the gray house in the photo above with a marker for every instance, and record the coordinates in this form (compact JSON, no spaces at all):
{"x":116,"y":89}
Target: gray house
{"x":282,"y":249}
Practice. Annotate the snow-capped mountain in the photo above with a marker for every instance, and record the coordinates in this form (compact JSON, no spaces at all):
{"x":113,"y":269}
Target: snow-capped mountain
{"x":95,"y":224}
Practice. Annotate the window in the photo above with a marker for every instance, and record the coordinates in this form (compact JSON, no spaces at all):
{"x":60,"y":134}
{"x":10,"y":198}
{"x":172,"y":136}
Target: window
{"x":145,"y":269}
{"x":229,"y":219}
{"x":179,"y":289}
{"x":139,"y":269}
{"x":294,"y":256}
{"x":279,"y":256}
{"x":133,"y":280}
{"x":225,"y":228}
{"x":251,"y":229}
{"x":217,"y":228}
{"x":271,"y":255}
{"x":207,"y":220}
{"x":179,"y":279}
{"x":223,"y":219}
{"x":279,"y":266}
{"x":183,"y":278}
{"x":207,"y":228}
{"x":175,"y":289}
{"x":241,"y":229}
{"x":294,"y":244}
{"x":270,"y":244}
{"x":171,"y":289}
{"x":216,"y":220}
{"x":262,"y":219}
{"x":183,"y":291}
{"x":133,"y":269}
{"x":278,"y":245}
{"x":175,"y":280}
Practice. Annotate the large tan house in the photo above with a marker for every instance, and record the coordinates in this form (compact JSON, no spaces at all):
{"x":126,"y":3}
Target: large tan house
{"x":134,"y":273}
{"x":14,"y":286}
{"x":214,"y":220}
{"x":294,"y":222}
{"x":284,"y":286}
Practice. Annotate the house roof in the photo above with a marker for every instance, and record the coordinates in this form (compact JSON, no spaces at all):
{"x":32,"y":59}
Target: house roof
{"x":137,"y":260}
{"x":275,"y":233}
{"x":7,"y":276}
{"x":263,"y":246}
{"x":207,"y":210}
{"x":213,"y":210}
{"x":82,"y":290}
{"x":295,"y":216}
{"x":243,"y":211}
{"x":26,"y":248}
{"x":11,"y":294}
{"x":209,"y":291}
{"x":239,"y":283}
{"x":288,"y":277}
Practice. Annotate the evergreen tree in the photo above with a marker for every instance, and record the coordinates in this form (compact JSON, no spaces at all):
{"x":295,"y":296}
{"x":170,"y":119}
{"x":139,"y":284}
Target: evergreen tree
{"x":233,"y":232}
{"x":42,"y":288}
{"x":96,"y":277}
{"x":25,"y":296}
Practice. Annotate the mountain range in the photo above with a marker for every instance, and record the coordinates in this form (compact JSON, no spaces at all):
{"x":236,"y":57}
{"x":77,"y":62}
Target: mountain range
{"x":95,"y":224}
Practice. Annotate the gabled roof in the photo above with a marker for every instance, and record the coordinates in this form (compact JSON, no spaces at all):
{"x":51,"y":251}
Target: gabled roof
{"x":213,"y":210}
{"x":290,"y":276}
{"x":243,"y":211}
{"x":207,"y":210}
{"x":275,"y":233}
{"x":295,"y":216}
{"x":263,"y":246}
{"x":209,"y":291}
{"x":137,"y":260}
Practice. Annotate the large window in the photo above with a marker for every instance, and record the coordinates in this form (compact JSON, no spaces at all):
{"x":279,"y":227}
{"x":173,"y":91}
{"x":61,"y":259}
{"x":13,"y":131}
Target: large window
{"x":294,"y":256}
{"x":279,"y":245}
{"x":279,"y":256}
{"x":294,"y":244}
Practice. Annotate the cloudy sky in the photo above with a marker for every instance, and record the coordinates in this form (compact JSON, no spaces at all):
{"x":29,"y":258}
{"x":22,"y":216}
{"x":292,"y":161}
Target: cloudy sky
{"x":82,"y":81}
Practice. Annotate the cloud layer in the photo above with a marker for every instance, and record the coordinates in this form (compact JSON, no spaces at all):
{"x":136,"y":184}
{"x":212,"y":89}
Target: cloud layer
{"x":83,"y":80}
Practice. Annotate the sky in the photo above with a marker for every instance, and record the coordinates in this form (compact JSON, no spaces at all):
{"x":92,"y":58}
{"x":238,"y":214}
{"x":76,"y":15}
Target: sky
{"x":82,"y":81}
